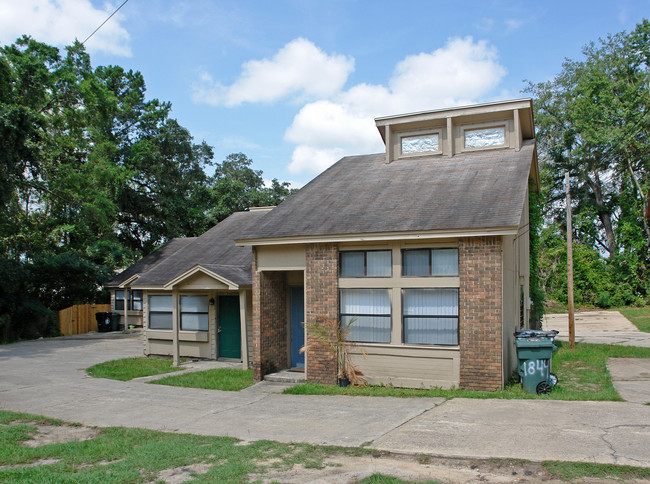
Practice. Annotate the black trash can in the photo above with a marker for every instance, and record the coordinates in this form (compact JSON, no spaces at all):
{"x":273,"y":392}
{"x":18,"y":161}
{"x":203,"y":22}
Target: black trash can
{"x":104,"y":323}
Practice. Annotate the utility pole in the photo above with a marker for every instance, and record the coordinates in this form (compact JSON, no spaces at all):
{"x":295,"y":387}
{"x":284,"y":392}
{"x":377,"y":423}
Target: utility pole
{"x":569,"y":252}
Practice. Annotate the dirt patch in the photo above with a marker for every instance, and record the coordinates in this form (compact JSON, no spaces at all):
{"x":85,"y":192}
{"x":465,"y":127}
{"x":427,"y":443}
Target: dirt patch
{"x":351,"y":469}
{"x":60,"y":434}
{"x":178,"y":475}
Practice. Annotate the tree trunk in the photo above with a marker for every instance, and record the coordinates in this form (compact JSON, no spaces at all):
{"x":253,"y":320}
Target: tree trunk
{"x":603,"y":214}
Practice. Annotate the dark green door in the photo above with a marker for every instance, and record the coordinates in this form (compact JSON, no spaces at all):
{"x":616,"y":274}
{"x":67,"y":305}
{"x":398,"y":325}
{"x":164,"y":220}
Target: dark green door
{"x":229,"y":327}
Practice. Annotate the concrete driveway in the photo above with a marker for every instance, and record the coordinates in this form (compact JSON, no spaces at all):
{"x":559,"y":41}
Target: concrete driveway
{"x":47,"y":377}
{"x":607,"y":327}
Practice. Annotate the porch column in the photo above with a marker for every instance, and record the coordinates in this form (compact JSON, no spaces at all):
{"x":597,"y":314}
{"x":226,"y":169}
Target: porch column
{"x":243,"y":302}
{"x":126,"y":306}
{"x":175,"y":325}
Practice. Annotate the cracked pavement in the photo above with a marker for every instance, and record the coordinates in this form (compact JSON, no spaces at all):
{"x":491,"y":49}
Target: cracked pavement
{"x":47,"y":377}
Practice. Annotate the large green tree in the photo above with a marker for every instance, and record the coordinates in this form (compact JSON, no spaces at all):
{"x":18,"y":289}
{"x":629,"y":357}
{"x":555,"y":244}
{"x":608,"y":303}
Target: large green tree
{"x":593,"y":122}
{"x":94,"y":175}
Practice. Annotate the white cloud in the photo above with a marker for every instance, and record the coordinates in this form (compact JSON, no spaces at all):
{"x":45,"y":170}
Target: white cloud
{"x":299,"y":69}
{"x":461,"y":72}
{"x":513,"y":24}
{"x":59,"y":22}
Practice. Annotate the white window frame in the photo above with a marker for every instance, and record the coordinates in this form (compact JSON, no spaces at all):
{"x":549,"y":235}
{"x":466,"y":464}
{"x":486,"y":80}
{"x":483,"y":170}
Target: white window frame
{"x":430,"y":250}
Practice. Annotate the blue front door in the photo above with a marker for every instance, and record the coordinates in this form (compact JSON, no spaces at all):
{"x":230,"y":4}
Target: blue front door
{"x":297,"y":328}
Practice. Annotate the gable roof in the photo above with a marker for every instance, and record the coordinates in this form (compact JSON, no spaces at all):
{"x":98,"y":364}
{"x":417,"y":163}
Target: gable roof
{"x":366,"y":195}
{"x":215,"y":251}
{"x":150,"y":261}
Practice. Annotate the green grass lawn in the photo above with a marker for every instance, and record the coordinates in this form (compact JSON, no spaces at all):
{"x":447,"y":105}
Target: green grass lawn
{"x":640,"y":317}
{"x":130,"y":368}
{"x":127,"y":455}
{"x":582,"y":372}
{"x":227,"y":379}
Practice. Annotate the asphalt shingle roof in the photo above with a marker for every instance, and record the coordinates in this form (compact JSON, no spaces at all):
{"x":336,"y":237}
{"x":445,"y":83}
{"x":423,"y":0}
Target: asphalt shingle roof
{"x":215,"y":250}
{"x":150,"y":261}
{"x":364,"y":194}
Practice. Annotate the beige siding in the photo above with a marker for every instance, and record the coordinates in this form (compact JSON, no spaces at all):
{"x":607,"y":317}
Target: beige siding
{"x":410,"y":366}
{"x":284,"y":258}
{"x":187,"y":349}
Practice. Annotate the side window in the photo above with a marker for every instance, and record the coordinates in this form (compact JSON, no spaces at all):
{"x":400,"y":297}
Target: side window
{"x":160,"y":312}
{"x":194,"y":313}
{"x":136,"y":300}
{"x":366,"y":263}
{"x":119,"y":300}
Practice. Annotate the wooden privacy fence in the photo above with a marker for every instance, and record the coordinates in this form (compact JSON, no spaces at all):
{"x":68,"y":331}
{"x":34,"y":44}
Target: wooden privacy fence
{"x":80,"y":318}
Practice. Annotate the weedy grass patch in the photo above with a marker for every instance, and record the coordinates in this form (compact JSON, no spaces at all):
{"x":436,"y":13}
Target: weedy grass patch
{"x":640,"y":317}
{"x":227,"y":379}
{"x":129,"y":368}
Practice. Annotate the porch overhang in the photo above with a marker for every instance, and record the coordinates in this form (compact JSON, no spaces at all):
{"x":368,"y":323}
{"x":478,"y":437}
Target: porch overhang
{"x":197,"y":271}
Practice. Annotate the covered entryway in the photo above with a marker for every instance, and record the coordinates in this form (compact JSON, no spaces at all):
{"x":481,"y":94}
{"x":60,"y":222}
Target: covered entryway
{"x":297,"y":317}
{"x":229,"y":323}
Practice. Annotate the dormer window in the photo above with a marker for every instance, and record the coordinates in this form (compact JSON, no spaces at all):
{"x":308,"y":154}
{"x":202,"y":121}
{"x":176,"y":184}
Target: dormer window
{"x":485,"y":137}
{"x":420,"y":143}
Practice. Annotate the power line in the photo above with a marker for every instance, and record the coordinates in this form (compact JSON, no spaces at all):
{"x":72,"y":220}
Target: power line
{"x":109,"y":17}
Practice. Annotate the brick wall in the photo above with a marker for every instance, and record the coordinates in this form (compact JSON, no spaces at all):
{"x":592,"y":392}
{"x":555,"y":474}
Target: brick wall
{"x":480,"y":310}
{"x":269,"y":321}
{"x":321,"y":305}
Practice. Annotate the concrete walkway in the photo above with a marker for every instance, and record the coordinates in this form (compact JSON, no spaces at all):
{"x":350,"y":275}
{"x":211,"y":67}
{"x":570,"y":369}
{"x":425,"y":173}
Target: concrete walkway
{"x":47,"y":377}
{"x":607,"y":327}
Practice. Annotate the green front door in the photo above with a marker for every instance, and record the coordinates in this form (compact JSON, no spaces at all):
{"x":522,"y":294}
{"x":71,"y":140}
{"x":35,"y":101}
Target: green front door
{"x":229,"y":327}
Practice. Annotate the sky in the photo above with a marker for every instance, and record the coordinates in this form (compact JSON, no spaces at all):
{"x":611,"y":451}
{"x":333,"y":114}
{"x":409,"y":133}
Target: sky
{"x":296,"y":84}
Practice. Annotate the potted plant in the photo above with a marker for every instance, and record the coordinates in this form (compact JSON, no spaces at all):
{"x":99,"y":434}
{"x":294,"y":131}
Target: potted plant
{"x":331,"y":336}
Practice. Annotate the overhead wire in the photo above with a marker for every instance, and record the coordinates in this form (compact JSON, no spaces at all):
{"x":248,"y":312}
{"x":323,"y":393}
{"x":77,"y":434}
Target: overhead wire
{"x":109,"y":17}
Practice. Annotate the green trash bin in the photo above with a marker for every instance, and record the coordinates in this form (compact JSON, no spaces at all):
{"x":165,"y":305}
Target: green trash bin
{"x":115,"y":321}
{"x":534,"y":363}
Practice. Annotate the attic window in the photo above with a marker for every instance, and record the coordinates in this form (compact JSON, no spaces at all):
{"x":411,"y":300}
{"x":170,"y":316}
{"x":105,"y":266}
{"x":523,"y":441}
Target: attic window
{"x":485,"y":137}
{"x":420,"y":144}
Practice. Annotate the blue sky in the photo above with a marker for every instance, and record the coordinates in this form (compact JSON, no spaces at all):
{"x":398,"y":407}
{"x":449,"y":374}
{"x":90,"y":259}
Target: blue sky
{"x":296,"y":85}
